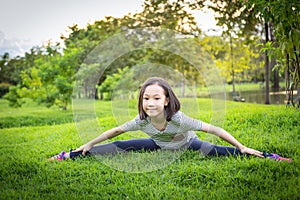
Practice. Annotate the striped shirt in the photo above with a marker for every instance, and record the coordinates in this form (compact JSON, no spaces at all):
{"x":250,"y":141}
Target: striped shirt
{"x":178,"y":132}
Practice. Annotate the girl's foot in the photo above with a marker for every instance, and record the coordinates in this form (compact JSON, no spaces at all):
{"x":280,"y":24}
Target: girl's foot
{"x":62,"y":156}
{"x":276,"y":157}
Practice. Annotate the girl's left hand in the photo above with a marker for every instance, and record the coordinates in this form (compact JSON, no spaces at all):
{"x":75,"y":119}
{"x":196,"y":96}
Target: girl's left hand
{"x":246,"y":150}
{"x":84,"y":148}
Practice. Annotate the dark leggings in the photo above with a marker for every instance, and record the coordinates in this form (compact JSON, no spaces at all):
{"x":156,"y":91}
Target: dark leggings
{"x":148,"y":144}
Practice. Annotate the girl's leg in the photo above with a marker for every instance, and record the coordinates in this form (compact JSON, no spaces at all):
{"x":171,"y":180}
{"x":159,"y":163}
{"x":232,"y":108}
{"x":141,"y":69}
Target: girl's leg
{"x":213,"y":150}
{"x":121,"y":146}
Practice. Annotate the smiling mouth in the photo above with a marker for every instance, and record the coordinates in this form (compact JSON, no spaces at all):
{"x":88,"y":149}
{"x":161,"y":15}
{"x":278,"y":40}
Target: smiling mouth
{"x":151,"y":109}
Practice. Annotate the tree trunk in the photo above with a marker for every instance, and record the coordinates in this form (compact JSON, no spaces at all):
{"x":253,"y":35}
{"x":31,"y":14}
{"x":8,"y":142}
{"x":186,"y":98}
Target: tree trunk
{"x":287,"y":80}
{"x":298,"y":96}
{"x":273,"y":62}
{"x":267,"y":67}
{"x":85,"y":91}
{"x":232,"y":66}
{"x":182,"y":88}
{"x":276,"y":85}
{"x":233,"y":81}
{"x":96,"y":94}
{"x":297,"y":75}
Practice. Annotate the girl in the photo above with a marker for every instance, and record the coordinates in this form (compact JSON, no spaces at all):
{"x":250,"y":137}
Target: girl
{"x":160,"y":118}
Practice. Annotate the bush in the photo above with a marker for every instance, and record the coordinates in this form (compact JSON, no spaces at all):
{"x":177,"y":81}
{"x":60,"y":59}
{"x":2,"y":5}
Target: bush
{"x":4,"y":88}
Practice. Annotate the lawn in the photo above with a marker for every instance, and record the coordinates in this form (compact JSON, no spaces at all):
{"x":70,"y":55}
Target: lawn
{"x":31,"y":134}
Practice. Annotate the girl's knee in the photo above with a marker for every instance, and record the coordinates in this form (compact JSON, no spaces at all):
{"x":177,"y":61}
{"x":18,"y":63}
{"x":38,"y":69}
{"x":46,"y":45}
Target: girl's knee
{"x":118,"y":144}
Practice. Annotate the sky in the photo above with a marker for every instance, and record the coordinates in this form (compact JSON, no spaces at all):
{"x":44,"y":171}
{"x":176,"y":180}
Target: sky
{"x":28,"y":23}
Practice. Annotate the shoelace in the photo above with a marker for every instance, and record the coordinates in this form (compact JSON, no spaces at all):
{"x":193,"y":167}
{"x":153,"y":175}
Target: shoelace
{"x":276,"y":157}
{"x":61,"y":156}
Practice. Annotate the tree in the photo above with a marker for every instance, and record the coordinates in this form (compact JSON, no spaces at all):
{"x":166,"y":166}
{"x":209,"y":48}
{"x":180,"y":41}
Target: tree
{"x":240,"y":21}
{"x":52,"y":74}
{"x":111,"y":83}
{"x":11,"y":68}
{"x":160,"y":14}
{"x":284,"y":16}
{"x":48,"y":81}
{"x":235,"y":63}
{"x":55,"y":74}
{"x":280,"y":20}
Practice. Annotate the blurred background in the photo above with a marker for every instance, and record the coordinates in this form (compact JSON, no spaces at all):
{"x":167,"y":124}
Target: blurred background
{"x":254,"y":44}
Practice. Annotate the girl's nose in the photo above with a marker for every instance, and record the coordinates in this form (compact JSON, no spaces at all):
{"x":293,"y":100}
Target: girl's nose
{"x":150,"y":103}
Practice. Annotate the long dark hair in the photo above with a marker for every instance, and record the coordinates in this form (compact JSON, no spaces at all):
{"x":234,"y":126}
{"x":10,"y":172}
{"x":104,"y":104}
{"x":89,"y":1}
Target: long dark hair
{"x":173,"y":105}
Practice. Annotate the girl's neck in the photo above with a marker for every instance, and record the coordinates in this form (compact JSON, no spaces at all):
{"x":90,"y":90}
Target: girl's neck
{"x":159,"y":124}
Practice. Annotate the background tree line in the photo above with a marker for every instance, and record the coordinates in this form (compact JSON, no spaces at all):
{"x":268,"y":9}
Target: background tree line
{"x":260,"y":42}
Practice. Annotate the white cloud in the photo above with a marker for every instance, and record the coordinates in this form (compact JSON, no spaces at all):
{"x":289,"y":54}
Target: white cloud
{"x":34,"y":22}
{"x":14,"y":46}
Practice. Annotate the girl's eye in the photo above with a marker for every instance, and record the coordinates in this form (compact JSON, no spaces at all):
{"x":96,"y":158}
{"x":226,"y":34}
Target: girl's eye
{"x":146,"y":98}
{"x":157,"y":98}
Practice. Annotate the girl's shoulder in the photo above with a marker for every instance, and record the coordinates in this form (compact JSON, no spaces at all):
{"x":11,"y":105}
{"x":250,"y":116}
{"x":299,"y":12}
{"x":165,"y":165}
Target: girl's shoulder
{"x":180,"y":117}
{"x":141,"y":122}
{"x":176,"y":118}
{"x":134,"y":124}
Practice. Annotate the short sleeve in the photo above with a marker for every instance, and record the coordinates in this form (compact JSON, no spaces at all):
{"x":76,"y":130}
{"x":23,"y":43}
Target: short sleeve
{"x":131,"y":125}
{"x":188,"y":123}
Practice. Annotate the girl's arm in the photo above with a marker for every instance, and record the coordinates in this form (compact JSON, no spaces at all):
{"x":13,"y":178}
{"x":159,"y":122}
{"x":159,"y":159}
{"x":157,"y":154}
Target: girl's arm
{"x":229,"y":138}
{"x":104,"y":136}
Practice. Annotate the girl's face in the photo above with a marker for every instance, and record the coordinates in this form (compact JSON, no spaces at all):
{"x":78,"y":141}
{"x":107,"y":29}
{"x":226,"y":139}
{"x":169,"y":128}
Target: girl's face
{"x":154,"y":101}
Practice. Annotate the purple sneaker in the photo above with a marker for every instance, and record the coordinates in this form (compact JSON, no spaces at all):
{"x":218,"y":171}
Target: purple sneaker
{"x":276,"y":157}
{"x":59,"y":157}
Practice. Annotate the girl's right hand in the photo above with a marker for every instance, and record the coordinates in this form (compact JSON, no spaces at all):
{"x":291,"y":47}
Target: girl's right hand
{"x":246,"y":150}
{"x":84,"y":148}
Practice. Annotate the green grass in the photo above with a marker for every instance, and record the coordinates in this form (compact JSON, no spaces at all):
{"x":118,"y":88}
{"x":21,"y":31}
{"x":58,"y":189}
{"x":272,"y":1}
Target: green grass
{"x":31,"y":114}
{"x":205,"y":91}
{"x":30,"y":135}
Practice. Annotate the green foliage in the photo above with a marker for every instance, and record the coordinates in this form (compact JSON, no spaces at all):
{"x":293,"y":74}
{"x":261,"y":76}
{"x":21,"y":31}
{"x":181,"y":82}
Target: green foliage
{"x":280,"y":19}
{"x":284,"y":16}
{"x":25,"y":173}
{"x":236,"y":19}
{"x":14,"y":97}
{"x":284,"y":19}
{"x":49,"y":81}
{"x":111,"y":82}
{"x":167,"y":14}
{"x":238,"y":62}
{"x":4,"y":88}
{"x":47,"y":74}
